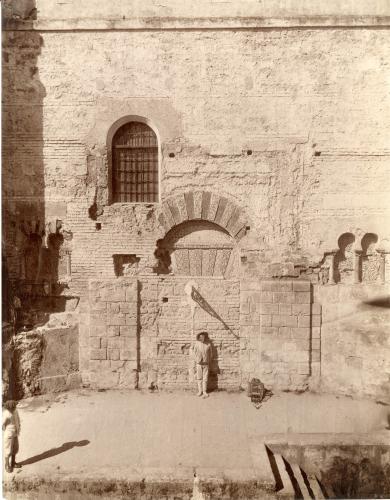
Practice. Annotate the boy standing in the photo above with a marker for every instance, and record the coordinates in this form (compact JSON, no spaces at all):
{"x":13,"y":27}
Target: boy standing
{"x":202,"y":358}
{"x":11,"y":428}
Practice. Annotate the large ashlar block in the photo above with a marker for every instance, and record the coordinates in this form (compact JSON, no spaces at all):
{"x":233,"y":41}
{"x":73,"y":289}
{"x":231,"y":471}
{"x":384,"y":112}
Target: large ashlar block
{"x":116,"y":319}
{"x":301,"y":309}
{"x":95,"y":342}
{"x":113,"y":294}
{"x":299,"y":356}
{"x":266,"y":297}
{"x":97,"y":330}
{"x":269,"y":286}
{"x":304,"y":321}
{"x":97,"y":319}
{"x":113,"y":354}
{"x":99,"y":354}
{"x":300,"y":332}
{"x":269,"y":330}
{"x":301,"y":286}
{"x":128,"y":331}
{"x":302,"y":297}
{"x":269,"y":308}
{"x":129,"y":355}
{"x":302,"y":344}
{"x":113,"y":331}
{"x":284,"y":297}
{"x":114,"y":342}
{"x":265,"y":320}
{"x":131,"y":320}
{"x":316,"y":309}
{"x":250,"y":331}
{"x":285,"y":309}
{"x":278,"y":320}
{"x":132,"y":292}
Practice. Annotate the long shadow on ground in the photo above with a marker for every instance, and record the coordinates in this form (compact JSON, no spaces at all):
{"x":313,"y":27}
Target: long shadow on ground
{"x":54,"y":451}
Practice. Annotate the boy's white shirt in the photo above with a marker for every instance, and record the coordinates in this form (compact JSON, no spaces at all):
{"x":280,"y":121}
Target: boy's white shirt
{"x":11,"y":422}
{"x":201,"y":352}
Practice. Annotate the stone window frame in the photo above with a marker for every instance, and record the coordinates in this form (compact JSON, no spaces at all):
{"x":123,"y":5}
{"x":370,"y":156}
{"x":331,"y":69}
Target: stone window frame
{"x":110,"y":136}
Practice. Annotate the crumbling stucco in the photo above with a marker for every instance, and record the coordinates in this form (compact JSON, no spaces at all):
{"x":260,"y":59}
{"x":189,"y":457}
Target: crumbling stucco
{"x":272,"y":125}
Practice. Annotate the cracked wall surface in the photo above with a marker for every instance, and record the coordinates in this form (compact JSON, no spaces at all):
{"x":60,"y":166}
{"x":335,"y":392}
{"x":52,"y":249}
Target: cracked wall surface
{"x":271,"y":123}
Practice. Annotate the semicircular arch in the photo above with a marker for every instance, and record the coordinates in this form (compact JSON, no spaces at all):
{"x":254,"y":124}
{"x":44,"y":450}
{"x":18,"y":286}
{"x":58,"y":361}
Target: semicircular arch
{"x":203,"y":205}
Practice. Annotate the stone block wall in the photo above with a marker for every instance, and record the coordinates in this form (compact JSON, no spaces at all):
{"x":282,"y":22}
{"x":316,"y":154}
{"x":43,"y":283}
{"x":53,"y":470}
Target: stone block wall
{"x":167,"y":331}
{"x":142,"y":332}
{"x":113,"y":333}
{"x":260,"y":114}
{"x":282,"y":328}
{"x":285,"y":326}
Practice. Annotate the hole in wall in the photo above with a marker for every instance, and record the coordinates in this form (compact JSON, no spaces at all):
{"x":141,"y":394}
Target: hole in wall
{"x":317,"y":153}
{"x":125,"y":264}
{"x":249,"y":152}
{"x":98,"y":226}
{"x":171,"y":155}
{"x":165,"y":299}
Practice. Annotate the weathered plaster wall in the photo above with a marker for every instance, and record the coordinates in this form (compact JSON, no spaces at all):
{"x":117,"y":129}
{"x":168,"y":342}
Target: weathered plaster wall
{"x":289,"y":96}
{"x":355,"y":342}
{"x":46,"y":359}
{"x":49,"y":10}
{"x":288,"y":124}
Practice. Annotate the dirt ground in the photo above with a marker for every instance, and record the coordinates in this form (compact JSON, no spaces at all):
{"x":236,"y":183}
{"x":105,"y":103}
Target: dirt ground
{"x":85,"y":436}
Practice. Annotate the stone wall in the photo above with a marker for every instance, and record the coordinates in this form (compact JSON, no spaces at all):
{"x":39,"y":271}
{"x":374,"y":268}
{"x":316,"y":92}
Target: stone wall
{"x":46,"y":359}
{"x":282,"y":328}
{"x":272,"y":134}
{"x":113,"y":333}
{"x":355,"y":340}
{"x":216,"y":311}
{"x":272,"y":123}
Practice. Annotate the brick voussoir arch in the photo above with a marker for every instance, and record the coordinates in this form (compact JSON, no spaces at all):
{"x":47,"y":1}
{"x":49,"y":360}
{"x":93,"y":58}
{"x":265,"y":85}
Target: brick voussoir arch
{"x":203,"y":205}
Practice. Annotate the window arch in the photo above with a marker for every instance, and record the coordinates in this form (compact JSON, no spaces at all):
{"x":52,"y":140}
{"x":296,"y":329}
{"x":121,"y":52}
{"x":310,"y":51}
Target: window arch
{"x":135,"y":164}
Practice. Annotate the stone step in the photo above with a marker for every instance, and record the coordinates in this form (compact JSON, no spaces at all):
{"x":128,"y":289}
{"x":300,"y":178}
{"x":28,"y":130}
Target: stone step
{"x":288,"y":487}
{"x":305,"y":494}
{"x":292,"y":481}
{"x":315,"y":487}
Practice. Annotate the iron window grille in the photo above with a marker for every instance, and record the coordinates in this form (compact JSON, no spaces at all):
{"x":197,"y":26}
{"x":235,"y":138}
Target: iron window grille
{"x":135,"y":164}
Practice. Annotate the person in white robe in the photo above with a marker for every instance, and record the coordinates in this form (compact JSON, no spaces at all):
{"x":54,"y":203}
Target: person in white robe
{"x":11,"y":429}
{"x":202,"y":356}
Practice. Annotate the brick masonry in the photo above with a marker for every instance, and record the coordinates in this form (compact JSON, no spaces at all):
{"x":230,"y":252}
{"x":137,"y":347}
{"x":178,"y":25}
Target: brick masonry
{"x":262,"y":141}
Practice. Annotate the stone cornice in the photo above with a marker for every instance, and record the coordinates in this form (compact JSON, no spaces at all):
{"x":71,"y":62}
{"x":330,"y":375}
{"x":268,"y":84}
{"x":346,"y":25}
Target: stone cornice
{"x":197,"y":23}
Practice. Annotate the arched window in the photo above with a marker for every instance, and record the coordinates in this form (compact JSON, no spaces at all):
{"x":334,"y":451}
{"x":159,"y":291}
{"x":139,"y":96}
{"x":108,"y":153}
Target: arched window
{"x":135,"y":164}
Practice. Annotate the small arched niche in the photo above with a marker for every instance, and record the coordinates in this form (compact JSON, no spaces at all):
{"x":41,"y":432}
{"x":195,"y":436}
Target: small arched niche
{"x":197,"y":248}
{"x":371,"y":259}
{"x":344,"y":259}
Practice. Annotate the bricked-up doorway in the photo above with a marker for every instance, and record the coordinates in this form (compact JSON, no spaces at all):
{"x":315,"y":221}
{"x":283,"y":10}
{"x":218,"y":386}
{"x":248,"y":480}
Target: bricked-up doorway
{"x":204,"y":253}
{"x":113,"y":333}
{"x":217,"y":312}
